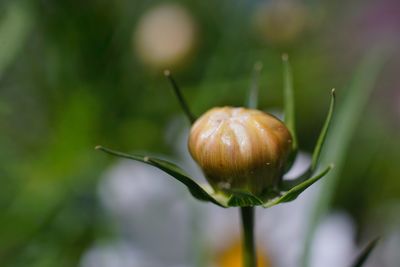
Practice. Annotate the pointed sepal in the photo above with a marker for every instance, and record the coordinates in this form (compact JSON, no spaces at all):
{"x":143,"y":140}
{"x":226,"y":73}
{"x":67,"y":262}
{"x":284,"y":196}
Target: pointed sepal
{"x":296,"y":190}
{"x":322,"y":135}
{"x":243,"y":199}
{"x":173,"y":170}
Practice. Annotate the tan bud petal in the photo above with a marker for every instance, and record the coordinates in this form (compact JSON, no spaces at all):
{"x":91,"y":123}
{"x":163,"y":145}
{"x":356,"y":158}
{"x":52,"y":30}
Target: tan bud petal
{"x":240,"y":148}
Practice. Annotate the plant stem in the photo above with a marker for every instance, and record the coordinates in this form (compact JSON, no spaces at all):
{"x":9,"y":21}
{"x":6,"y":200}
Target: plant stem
{"x":180,"y":97}
{"x":249,"y":252}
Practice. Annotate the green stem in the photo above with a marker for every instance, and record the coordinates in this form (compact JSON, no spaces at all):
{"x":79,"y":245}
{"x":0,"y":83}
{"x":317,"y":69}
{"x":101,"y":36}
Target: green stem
{"x":180,"y":97}
{"x":249,"y":251}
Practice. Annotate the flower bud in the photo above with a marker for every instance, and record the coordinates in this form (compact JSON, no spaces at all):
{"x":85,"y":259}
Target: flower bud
{"x":240,"y":149}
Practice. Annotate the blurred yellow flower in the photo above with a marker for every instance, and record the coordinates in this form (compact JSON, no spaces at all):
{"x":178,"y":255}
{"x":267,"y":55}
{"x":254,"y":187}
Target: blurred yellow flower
{"x":232,"y":257}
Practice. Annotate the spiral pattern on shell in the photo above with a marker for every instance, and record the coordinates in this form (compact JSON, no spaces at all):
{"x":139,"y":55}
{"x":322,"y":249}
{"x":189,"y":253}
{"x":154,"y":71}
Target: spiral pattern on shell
{"x":240,"y":149}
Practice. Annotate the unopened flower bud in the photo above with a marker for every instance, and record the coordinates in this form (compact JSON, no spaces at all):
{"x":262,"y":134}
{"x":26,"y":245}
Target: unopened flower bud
{"x":240,"y":149}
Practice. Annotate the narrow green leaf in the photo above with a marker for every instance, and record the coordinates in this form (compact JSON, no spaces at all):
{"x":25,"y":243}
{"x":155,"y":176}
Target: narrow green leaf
{"x":324,"y":131}
{"x":243,"y":199}
{"x":295,"y":191}
{"x":340,"y":134}
{"x":362,"y":258}
{"x":252,"y":99}
{"x":180,"y":97}
{"x":195,"y":189}
{"x":15,"y":25}
{"x":289,"y":105}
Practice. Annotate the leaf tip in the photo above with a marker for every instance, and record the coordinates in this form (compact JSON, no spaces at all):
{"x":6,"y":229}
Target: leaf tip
{"x":285,"y":57}
{"x":375,"y":241}
{"x":98,"y":147}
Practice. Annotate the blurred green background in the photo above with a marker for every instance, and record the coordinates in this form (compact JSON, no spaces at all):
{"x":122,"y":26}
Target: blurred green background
{"x":74,"y":74}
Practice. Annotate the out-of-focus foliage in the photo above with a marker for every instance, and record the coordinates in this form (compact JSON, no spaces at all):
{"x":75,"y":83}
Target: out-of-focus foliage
{"x":71,"y":78}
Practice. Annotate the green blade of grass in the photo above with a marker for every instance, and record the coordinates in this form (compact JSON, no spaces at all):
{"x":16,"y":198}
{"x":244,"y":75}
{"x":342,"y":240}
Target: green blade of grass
{"x":15,"y":26}
{"x":338,"y":139}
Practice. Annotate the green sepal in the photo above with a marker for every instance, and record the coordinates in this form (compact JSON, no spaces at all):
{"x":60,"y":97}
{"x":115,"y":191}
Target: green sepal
{"x":243,"y":199}
{"x":364,"y":254}
{"x":236,"y":198}
{"x":317,"y":149}
{"x":289,"y":106}
{"x":296,"y":190}
{"x":194,"y":188}
{"x":324,"y":131}
{"x":252,"y":98}
{"x":286,"y":185}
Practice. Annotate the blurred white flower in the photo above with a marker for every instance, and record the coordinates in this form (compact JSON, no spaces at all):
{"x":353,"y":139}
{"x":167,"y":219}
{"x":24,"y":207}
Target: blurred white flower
{"x":334,"y":242}
{"x":165,"y":36}
{"x":119,"y":254}
{"x":150,"y":209}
